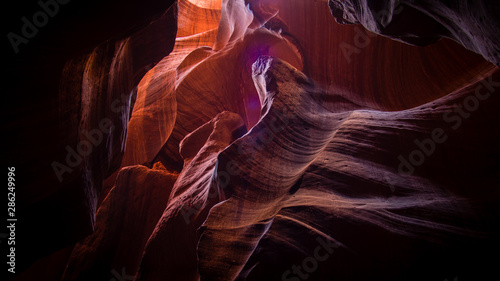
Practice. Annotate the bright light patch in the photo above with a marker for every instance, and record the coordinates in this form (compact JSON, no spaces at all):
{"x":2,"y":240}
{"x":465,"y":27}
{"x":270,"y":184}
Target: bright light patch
{"x":207,"y":4}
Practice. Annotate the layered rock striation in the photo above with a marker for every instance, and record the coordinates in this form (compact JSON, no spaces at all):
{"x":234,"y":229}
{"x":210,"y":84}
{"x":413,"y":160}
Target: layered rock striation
{"x":259,"y":140}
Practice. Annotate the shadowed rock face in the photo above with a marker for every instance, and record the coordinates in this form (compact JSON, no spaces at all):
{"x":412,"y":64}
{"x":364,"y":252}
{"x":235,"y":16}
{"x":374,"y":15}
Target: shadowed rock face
{"x":173,"y":254}
{"x":72,"y":87}
{"x":472,"y":24}
{"x":124,"y":222}
{"x":344,"y":186}
{"x":259,"y":140}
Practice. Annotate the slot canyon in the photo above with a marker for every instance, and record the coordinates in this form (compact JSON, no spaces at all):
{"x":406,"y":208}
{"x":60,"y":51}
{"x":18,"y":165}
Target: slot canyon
{"x":259,"y":140}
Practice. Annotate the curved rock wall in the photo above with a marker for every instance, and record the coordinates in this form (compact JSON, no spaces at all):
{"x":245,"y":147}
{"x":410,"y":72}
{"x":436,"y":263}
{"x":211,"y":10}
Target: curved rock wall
{"x":472,"y":24}
{"x":71,"y":88}
{"x":345,"y":188}
{"x":259,"y":140}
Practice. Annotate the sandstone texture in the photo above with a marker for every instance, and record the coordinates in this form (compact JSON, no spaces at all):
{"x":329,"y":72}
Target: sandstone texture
{"x":205,"y":140}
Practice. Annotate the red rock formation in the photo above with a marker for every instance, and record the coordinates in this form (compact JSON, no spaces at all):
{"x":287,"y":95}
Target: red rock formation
{"x":200,"y":97}
{"x":71,"y":87}
{"x":124,"y":222}
{"x":354,"y":62}
{"x":344,"y":185}
{"x":299,"y":149}
{"x":173,"y":254}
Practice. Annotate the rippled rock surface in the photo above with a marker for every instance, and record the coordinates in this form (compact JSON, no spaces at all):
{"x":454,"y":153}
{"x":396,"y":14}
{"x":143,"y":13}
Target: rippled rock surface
{"x":258,"y":140}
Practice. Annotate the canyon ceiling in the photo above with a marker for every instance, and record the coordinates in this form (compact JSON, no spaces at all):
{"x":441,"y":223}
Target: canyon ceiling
{"x":253,"y":140}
